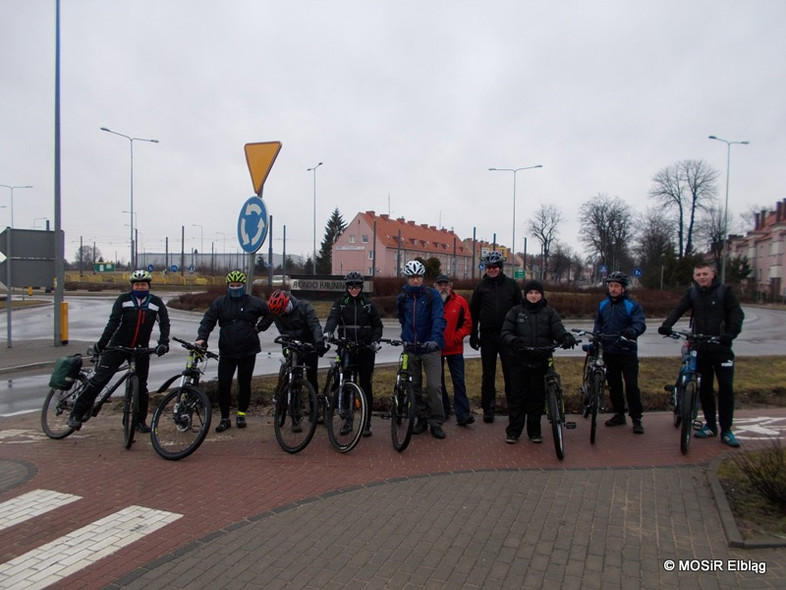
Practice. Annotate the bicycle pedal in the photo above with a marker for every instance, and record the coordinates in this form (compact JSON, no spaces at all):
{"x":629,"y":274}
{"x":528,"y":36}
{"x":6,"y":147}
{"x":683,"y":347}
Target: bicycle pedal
{"x":570,"y":425}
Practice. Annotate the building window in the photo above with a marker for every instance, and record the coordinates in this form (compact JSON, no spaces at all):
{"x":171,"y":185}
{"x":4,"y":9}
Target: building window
{"x":364,"y":239}
{"x":371,"y":254}
{"x":352,"y":239}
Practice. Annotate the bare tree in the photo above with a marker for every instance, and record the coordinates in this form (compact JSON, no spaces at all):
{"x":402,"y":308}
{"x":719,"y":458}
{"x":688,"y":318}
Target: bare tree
{"x":687,"y":186}
{"x":606,"y":229}
{"x":710,"y":231}
{"x":543,"y":226}
{"x":560,"y":262}
{"x":654,"y":245}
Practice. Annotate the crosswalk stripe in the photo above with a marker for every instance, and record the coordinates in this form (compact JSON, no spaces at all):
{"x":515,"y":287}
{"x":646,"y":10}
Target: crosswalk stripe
{"x":62,"y":557}
{"x":30,"y":505}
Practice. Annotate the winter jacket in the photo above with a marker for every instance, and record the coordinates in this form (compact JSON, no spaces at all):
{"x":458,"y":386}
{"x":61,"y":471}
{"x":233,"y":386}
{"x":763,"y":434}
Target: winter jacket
{"x":356,"y":318}
{"x":421,"y":315}
{"x":614,"y":317}
{"x":237,"y":320}
{"x":531,"y":325}
{"x":301,"y":323}
{"x":491,"y":301}
{"x":131,"y":321}
{"x":458,"y":324}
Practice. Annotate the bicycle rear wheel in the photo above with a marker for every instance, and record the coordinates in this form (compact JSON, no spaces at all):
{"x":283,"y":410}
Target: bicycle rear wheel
{"x":57,"y":409}
{"x":402,"y":415}
{"x":552,"y":400}
{"x":130,"y":410}
{"x":180,"y":423}
{"x":345,"y":416}
{"x":295,"y":416}
{"x":595,"y":401}
{"x":688,"y":399}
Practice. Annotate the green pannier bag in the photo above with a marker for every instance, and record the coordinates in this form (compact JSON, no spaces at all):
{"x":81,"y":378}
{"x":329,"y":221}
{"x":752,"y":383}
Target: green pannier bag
{"x":66,"y":371}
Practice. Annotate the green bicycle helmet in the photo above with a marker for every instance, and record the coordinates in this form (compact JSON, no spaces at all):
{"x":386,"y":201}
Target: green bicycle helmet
{"x":236,"y":276}
{"x":140,"y":276}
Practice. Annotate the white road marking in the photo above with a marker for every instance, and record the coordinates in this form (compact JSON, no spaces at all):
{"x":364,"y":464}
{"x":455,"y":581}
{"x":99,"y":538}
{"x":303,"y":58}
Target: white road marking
{"x":32,"y":504}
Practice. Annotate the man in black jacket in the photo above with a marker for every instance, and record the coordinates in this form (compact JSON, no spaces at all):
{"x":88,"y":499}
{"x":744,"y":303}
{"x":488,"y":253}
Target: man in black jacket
{"x":492,"y":298}
{"x":237,"y":314}
{"x":716,"y":312}
{"x":130,"y":325}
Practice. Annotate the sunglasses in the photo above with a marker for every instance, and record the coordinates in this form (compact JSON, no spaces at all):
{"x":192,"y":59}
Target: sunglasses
{"x":492,"y":267}
{"x":355,"y":286}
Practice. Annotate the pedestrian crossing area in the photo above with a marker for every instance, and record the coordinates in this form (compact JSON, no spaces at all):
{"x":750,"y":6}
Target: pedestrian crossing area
{"x":54,"y":561}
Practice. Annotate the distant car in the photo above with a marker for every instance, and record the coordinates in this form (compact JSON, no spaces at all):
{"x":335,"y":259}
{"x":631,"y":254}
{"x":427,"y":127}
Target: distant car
{"x":278,"y":281}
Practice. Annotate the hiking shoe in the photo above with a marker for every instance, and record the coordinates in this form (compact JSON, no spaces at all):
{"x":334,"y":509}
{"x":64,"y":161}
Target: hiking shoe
{"x":420,"y":426}
{"x":367,"y":431}
{"x":346,"y":428}
{"x":223,"y":425}
{"x":240,"y":421}
{"x":706,"y":431}
{"x":74,"y":423}
{"x":488,"y":416}
{"x":729,"y":439}
{"x":465,"y":420}
{"x":511,"y":440}
{"x":616,"y":420}
{"x":638,"y":428}
{"x":437,"y":432}
{"x":142,"y":427}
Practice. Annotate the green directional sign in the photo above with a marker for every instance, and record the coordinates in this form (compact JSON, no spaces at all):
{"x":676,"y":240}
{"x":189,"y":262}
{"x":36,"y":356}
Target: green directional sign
{"x":519,"y":274}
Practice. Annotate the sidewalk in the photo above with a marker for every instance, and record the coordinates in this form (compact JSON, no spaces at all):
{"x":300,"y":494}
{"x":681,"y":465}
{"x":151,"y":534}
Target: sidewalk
{"x":31,"y":354}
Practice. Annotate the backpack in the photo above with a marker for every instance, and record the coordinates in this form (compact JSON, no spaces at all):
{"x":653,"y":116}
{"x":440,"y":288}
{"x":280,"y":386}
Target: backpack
{"x":65,"y":372}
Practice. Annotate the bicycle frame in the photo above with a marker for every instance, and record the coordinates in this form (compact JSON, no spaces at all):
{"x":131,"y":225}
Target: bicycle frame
{"x":289,"y":401}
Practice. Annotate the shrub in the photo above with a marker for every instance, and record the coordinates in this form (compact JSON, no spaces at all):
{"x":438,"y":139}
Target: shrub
{"x":766,"y":471}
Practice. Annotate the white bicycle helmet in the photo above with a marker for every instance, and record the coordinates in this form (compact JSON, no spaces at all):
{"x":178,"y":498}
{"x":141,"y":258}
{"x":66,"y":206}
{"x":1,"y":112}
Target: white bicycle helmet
{"x":414,"y":268}
{"x":140,"y":276}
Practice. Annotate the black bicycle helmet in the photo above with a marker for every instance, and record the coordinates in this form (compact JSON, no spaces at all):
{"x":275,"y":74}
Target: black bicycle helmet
{"x":618,"y":277}
{"x":493,"y":257}
{"x":353,"y":277}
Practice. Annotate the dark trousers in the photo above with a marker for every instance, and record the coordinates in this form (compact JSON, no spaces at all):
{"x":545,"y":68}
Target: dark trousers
{"x":455,"y":363}
{"x":490,"y":348}
{"x":363,"y":359}
{"x":718,"y":364}
{"x":526,"y":400}
{"x":619,"y":368}
{"x":226,"y":370}
{"x":108,"y":365}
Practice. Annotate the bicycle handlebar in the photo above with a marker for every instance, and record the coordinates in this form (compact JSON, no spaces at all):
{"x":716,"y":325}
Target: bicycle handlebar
{"x":599,"y":335}
{"x":200,"y":350}
{"x":294,"y":343}
{"x":134,"y":351}
{"x":691,"y":337}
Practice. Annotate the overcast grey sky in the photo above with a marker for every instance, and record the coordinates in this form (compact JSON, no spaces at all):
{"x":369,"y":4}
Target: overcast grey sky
{"x":407,"y":103}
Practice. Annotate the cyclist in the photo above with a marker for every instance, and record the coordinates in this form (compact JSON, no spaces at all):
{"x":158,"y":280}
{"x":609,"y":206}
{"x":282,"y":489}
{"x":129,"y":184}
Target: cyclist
{"x":619,"y":314}
{"x":533,"y":323}
{"x":422,"y":320}
{"x":492,"y":298}
{"x":237,"y":314}
{"x":357,"y":319}
{"x":297,"y":319}
{"x":130,"y":325}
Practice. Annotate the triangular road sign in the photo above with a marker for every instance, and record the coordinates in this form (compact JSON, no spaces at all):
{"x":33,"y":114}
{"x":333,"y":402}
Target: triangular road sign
{"x":260,"y":158}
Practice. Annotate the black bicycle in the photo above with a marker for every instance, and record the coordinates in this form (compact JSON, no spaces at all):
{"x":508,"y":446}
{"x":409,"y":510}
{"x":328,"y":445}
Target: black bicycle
{"x":295,"y":401}
{"x":346,"y":410}
{"x":402,"y":401}
{"x":182,"y":419}
{"x":593,"y":383}
{"x":59,"y":403}
{"x":685,"y":391}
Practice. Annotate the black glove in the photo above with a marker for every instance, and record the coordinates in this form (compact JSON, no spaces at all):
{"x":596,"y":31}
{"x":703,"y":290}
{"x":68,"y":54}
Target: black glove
{"x":474,"y":341}
{"x":568,"y":341}
{"x":629,"y":333}
{"x":430,"y":346}
{"x":664,"y":330}
{"x":94,"y":349}
{"x":726,"y":339}
{"x":322,"y":348}
{"x":375,"y":346}
{"x":162,"y":349}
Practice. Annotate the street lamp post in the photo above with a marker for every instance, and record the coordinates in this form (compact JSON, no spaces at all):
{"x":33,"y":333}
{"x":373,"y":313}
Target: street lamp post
{"x":12,"y":189}
{"x":513,"y":238}
{"x":131,"y":141}
{"x":8,"y":265}
{"x":726,"y":207}
{"x":314,"y":255}
{"x":201,"y":239}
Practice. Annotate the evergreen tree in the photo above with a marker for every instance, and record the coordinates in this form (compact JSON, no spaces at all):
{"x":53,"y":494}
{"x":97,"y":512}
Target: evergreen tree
{"x":335,"y":227}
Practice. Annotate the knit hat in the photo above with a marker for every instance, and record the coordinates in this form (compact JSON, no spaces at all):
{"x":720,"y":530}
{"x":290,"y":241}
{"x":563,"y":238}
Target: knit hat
{"x":533,"y":285}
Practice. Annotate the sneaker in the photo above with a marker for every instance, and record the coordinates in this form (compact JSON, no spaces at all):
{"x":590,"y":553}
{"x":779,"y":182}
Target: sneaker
{"x":420,"y":426}
{"x":240,"y":421}
{"x":74,"y":423}
{"x":537,"y":439}
{"x":729,"y":439}
{"x":488,"y":416}
{"x":437,"y":432}
{"x":142,"y":427}
{"x":706,"y":431}
{"x":616,"y":420}
{"x":346,"y":428}
{"x":638,"y":428}
{"x":223,"y":425}
{"x":465,"y":420}
{"x":511,"y":440}
{"x":367,"y":431}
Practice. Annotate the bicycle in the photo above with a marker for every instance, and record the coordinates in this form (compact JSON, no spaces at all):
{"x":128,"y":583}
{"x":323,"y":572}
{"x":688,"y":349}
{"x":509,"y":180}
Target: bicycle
{"x":294,"y":398}
{"x":685,"y":391}
{"x":555,"y":402}
{"x":59,"y":403}
{"x":346,"y":408}
{"x":182,"y":419}
{"x":402,"y":401}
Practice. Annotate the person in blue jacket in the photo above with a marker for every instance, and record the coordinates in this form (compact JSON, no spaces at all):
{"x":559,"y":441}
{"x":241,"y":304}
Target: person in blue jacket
{"x":619,"y":315}
{"x":422,"y":320}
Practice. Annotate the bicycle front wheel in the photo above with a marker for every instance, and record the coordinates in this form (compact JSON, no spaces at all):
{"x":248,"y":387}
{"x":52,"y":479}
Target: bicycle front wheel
{"x":130,"y":410}
{"x":552,"y":400}
{"x":180,"y":423}
{"x":57,"y":409}
{"x":402,"y":415}
{"x":345,"y":416}
{"x":295,"y":415}
{"x":688,"y":399}
{"x":595,"y":401}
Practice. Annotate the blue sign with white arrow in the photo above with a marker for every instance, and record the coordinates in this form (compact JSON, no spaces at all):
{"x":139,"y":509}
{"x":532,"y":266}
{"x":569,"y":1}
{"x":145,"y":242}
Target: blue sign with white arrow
{"x":252,"y":225}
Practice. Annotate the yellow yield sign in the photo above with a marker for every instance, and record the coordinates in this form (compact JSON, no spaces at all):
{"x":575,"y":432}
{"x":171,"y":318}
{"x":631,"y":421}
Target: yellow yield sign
{"x":260,"y":158}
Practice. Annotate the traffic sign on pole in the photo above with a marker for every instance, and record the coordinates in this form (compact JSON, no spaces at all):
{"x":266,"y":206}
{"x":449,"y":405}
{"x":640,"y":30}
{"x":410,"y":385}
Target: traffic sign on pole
{"x":260,"y":158}
{"x":252,"y":224}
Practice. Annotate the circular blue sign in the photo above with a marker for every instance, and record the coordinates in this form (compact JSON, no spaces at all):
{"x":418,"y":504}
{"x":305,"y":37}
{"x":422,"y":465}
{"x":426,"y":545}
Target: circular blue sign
{"x":252,"y":225}
{"x":173,"y":268}
{"x":637,"y":272}
{"x":150,"y":268}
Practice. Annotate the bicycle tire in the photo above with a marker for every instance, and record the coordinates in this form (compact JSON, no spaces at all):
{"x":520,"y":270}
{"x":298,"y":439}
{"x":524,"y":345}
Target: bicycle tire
{"x":130,"y":410}
{"x":295,"y":415}
{"x":348,"y":409}
{"x":180,"y":423}
{"x":688,"y":408}
{"x":402,"y":415}
{"x":57,"y":408}
{"x":597,"y":397}
{"x":554,"y":417}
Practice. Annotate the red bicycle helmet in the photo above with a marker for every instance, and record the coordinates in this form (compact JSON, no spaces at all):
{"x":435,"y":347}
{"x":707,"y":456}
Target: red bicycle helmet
{"x":278,"y":301}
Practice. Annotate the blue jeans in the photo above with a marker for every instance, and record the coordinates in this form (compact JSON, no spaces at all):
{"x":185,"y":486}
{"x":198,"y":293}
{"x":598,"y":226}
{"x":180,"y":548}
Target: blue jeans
{"x":455,"y":364}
